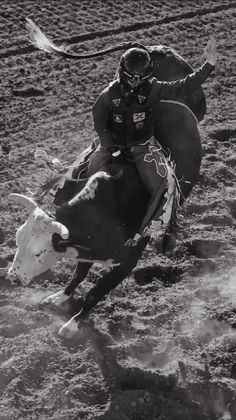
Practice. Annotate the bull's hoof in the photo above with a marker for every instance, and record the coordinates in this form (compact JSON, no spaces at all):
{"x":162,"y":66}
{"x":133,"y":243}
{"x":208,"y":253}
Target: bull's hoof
{"x":168,"y":244}
{"x":56,"y":299}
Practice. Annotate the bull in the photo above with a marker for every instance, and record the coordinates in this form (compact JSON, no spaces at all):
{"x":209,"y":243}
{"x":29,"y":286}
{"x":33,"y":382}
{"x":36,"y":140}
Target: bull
{"x":94,"y":219}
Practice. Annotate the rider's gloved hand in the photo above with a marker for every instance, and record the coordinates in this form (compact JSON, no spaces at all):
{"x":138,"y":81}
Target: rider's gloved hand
{"x":115,"y":151}
{"x":210,"y":52}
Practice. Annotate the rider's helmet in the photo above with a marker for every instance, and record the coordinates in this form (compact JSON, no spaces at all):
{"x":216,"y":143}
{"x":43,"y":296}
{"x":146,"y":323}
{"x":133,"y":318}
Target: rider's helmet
{"x":135,"y":68}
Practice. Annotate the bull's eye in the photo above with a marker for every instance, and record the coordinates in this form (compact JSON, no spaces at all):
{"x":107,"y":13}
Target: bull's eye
{"x":38,"y":254}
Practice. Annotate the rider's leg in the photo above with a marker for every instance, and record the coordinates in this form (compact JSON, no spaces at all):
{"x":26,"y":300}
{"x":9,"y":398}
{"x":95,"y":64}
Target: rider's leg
{"x":159,"y":179}
{"x":151,"y":164}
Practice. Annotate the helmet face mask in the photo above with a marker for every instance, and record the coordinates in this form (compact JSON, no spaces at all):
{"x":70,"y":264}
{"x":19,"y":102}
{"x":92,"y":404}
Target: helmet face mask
{"x":135,"y":67}
{"x":135,"y":80}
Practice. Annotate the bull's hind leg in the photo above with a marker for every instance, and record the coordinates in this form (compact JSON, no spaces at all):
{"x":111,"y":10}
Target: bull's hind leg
{"x":108,"y":282}
{"x":78,"y":276}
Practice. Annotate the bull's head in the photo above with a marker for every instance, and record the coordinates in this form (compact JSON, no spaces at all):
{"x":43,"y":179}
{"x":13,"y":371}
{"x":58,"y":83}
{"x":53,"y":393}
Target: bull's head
{"x":35,"y":253}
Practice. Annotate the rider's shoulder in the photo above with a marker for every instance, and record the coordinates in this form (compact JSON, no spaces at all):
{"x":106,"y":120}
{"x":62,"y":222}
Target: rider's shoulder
{"x":111,"y":86}
{"x":104,"y":94}
{"x":114,"y":82}
{"x":156,"y":85}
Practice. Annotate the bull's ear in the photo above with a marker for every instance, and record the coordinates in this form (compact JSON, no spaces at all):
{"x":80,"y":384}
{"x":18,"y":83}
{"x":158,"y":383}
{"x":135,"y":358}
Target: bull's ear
{"x":23,"y":200}
{"x":57,"y":227}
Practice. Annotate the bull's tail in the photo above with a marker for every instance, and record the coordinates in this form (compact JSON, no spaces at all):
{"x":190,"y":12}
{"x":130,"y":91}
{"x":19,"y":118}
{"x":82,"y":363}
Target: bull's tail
{"x":40,"y":41}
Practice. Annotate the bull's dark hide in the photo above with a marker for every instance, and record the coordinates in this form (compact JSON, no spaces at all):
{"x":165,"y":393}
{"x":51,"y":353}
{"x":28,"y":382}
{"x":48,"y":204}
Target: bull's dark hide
{"x":178,"y":133}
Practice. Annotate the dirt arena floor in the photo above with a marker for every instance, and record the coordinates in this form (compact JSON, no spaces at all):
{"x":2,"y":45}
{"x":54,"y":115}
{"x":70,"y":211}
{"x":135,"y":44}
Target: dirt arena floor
{"x":162,"y":345}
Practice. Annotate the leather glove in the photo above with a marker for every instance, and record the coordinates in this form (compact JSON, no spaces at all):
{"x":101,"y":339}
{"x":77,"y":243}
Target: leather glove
{"x":115,"y":151}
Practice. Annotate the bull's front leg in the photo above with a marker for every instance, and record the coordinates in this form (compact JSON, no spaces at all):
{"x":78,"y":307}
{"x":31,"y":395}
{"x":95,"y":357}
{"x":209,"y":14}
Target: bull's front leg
{"x":78,"y":276}
{"x":108,"y":282}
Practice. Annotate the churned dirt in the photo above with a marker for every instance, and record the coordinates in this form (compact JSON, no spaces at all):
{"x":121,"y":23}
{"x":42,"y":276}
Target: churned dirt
{"x":163,"y":344}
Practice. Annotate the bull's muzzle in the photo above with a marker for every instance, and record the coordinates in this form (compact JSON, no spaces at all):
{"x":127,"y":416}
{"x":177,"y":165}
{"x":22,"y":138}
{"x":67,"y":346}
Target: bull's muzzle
{"x":15,"y":279}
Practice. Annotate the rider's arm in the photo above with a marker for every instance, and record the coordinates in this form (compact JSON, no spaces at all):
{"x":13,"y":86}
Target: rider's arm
{"x":195,"y":79}
{"x":101,"y":113}
{"x":191,"y":82}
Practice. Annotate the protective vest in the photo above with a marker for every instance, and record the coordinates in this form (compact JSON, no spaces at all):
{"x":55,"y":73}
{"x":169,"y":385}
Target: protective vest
{"x":130,"y":121}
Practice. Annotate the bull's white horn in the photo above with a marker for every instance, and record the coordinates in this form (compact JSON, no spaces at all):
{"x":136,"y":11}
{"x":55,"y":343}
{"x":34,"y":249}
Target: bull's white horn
{"x":23,"y":200}
{"x":57,"y":227}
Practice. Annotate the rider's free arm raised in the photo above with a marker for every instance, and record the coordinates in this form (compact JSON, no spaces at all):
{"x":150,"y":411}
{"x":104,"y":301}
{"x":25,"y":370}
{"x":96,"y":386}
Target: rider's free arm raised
{"x":195,"y":79}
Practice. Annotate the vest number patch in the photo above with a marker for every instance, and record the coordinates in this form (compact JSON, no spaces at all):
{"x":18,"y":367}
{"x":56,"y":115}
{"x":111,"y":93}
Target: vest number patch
{"x":138,"y":117}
